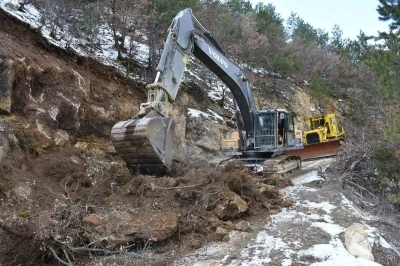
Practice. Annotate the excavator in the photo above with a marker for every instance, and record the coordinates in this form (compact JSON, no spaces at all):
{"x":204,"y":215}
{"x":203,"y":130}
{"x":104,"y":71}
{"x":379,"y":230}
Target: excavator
{"x":145,"y":141}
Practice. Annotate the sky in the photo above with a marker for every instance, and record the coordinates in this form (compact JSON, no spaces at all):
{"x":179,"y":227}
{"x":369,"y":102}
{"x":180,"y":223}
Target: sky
{"x":351,"y":15}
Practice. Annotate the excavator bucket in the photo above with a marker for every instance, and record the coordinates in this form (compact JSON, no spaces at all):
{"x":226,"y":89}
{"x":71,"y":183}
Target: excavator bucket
{"x":319,"y":150}
{"x":145,"y":144}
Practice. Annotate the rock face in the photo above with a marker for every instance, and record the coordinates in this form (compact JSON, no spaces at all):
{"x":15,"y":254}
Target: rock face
{"x":356,"y":242}
{"x":118,"y":227}
{"x":4,"y":145}
{"x":204,"y":133}
{"x":232,"y":206}
{"x":5,"y":87}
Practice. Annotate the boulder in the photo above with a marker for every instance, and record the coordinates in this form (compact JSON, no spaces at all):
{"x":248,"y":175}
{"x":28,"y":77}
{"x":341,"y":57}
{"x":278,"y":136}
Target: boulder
{"x":221,"y":233}
{"x":232,"y":206}
{"x":356,"y":242}
{"x":173,"y":182}
{"x":287,"y":202}
{"x":92,"y":219}
{"x":119,"y":227}
{"x":243,"y":226}
{"x":204,"y":132}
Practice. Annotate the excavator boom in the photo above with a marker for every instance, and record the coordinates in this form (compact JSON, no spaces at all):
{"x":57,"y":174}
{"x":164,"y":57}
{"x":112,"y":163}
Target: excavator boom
{"x":145,"y":141}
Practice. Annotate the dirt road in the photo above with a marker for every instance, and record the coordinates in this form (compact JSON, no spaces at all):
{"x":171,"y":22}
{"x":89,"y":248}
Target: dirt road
{"x":308,"y":233}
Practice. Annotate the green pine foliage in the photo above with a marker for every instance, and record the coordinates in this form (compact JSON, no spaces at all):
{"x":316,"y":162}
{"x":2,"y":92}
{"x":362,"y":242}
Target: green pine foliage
{"x":287,"y":63}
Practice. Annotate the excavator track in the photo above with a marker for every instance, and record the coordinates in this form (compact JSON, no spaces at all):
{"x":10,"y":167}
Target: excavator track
{"x":282,"y":164}
{"x":145,"y":144}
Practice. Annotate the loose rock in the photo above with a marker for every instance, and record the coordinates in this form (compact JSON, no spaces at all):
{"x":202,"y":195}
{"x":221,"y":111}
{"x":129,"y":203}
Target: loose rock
{"x":244,"y":226}
{"x":356,"y":242}
{"x":287,"y":202}
{"x":221,"y":233}
{"x":233,"y":206}
{"x":121,"y":227}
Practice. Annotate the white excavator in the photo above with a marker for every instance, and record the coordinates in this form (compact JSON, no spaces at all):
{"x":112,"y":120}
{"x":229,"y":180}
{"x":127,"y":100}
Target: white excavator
{"x":145,"y":141}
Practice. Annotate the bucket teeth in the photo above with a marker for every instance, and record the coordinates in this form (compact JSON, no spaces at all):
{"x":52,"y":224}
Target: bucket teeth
{"x":145,"y":144}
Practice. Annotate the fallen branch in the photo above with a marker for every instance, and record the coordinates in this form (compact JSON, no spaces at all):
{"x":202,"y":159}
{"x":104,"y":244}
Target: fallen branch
{"x":354,"y":164}
{"x":167,"y":188}
{"x":58,"y":258}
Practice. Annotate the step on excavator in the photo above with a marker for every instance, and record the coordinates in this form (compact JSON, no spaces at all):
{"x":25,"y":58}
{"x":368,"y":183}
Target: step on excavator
{"x":145,"y":141}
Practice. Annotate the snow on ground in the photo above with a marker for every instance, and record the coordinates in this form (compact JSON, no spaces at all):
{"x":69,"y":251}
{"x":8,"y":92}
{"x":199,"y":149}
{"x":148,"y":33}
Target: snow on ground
{"x":193,"y":113}
{"x":306,"y":234}
{"x":31,"y":15}
{"x":61,"y":38}
{"x":325,"y":206}
{"x":335,"y":254}
{"x":197,"y":113}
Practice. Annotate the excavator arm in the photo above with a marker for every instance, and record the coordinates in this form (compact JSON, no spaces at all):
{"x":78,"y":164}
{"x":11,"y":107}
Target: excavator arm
{"x":186,"y":37}
{"x":145,"y":142}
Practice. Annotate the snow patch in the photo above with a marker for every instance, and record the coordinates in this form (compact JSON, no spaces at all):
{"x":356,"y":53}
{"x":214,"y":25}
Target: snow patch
{"x":356,"y":212}
{"x":259,"y":253}
{"x":193,"y":113}
{"x":332,"y":229}
{"x":334,"y":254}
{"x":196,"y":113}
{"x":325,"y":206}
{"x":307,"y":178}
{"x":217,"y":116}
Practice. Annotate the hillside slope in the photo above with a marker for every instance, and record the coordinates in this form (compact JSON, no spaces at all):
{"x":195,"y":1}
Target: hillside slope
{"x":65,"y":194}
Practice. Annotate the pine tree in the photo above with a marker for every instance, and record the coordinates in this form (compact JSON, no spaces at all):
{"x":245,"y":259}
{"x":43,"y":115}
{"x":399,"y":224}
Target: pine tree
{"x":389,"y":10}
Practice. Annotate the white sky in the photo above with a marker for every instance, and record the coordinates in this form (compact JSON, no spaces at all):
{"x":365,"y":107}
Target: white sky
{"x":351,"y":15}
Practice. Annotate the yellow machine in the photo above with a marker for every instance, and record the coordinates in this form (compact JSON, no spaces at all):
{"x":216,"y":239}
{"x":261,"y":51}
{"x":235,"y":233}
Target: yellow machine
{"x":322,"y":128}
{"x":322,"y":139}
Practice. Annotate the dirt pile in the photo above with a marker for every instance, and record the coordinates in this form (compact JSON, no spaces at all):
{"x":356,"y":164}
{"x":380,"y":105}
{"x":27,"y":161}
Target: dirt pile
{"x":78,"y":205}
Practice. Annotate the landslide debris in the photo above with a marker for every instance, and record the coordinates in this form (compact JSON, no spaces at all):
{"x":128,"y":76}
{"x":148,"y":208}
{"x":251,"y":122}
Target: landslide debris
{"x":63,"y":203}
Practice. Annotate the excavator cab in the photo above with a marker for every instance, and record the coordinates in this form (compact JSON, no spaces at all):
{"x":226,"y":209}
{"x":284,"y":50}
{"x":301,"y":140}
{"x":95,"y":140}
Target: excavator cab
{"x":275,"y":128}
